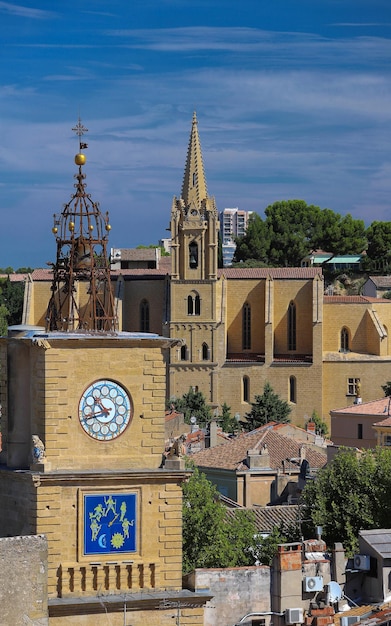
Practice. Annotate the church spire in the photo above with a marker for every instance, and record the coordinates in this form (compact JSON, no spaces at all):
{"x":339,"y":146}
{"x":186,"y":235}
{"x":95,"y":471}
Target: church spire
{"x":194,"y":221}
{"x":82,"y":296}
{"x":194,"y":189}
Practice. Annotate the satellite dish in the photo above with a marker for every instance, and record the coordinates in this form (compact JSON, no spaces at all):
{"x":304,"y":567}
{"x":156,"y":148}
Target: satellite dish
{"x":193,"y":420}
{"x":334,"y":592}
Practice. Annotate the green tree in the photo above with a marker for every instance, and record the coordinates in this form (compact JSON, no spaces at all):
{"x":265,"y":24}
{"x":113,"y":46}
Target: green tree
{"x":3,"y":320}
{"x":267,"y":546}
{"x":227,"y":423}
{"x":292,"y":229}
{"x":11,"y":296}
{"x":289,"y":223}
{"x":267,"y":407}
{"x":351,"y":493}
{"x":24,"y":270}
{"x":353,"y":238}
{"x":220,"y":260}
{"x":379,"y":242}
{"x":193,"y":403}
{"x":255,"y":243}
{"x":210,"y":537}
{"x":153,"y":246}
{"x":321,"y":427}
{"x":387,"y":388}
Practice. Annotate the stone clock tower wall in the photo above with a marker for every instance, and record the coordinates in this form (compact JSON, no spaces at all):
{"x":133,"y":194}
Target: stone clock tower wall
{"x":111,"y":514}
{"x":47,"y":377}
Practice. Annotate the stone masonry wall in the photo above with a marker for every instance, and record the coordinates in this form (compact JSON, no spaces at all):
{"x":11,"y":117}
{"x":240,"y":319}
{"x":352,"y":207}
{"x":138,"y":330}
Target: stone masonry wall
{"x":23,"y":581}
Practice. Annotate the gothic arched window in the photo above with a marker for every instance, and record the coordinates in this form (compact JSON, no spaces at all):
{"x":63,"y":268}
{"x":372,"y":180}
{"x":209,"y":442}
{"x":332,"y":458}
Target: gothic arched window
{"x":193,"y":255}
{"x":246,"y":327}
{"x":292,"y":326}
{"x":246,"y":389}
{"x":292,"y":389}
{"x":344,"y":343}
{"x":184,"y":353}
{"x":205,"y":352}
{"x":144,"y":316}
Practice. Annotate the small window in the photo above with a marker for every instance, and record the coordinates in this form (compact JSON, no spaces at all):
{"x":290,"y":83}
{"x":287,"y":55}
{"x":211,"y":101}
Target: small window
{"x":144,"y":316}
{"x":292,"y":389}
{"x":197,"y":305}
{"x":246,"y":330}
{"x":359,"y":431}
{"x":292,"y":326}
{"x":184,"y":353}
{"x":246,"y":389}
{"x":344,"y":344}
{"x":353,"y":386}
{"x":190,"y":305}
{"x":205,"y":352}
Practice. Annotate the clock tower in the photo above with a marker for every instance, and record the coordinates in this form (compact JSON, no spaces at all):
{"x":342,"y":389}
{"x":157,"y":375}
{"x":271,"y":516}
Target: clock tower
{"x":83,"y":436}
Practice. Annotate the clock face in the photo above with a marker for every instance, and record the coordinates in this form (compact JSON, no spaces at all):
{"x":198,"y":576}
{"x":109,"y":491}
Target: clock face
{"x":105,"y":410}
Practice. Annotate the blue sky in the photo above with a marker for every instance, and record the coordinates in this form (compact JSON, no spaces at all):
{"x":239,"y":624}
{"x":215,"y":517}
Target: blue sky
{"x":293,"y":100}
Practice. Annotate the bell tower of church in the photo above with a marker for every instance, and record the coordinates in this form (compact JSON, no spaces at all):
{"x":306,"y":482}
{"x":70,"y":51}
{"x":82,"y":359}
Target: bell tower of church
{"x":194,"y":220}
{"x":196,"y":303}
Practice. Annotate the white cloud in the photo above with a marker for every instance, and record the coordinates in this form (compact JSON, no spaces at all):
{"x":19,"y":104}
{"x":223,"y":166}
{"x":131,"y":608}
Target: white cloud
{"x":22,"y":11}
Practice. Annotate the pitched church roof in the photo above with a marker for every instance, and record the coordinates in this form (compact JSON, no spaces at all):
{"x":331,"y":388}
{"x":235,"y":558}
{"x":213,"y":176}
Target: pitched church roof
{"x":194,"y":189}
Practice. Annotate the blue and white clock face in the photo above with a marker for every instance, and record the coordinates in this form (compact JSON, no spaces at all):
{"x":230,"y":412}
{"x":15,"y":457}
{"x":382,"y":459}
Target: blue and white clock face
{"x":105,"y":410}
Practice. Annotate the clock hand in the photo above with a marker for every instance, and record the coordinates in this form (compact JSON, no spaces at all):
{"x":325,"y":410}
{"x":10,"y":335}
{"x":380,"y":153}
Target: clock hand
{"x":100,"y":403}
{"x":103,"y":412}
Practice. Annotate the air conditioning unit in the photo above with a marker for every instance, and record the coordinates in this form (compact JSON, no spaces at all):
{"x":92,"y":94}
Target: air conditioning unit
{"x":348,"y":620}
{"x":313,"y":583}
{"x":362,"y":562}
{"x":294,"y":616}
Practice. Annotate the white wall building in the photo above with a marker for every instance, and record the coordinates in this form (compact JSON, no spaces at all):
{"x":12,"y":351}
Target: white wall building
{"x":233,"y":223}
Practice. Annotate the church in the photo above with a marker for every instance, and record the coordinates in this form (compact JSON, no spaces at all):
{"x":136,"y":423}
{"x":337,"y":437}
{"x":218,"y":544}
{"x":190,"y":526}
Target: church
{"x":240,"y":328}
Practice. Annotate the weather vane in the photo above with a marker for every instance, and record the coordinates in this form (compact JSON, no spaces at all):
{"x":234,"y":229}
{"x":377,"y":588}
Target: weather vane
{"x":79,"y":129}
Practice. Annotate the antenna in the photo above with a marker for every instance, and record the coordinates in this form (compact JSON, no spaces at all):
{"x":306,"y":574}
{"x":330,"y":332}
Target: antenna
{"x":334,"y":592}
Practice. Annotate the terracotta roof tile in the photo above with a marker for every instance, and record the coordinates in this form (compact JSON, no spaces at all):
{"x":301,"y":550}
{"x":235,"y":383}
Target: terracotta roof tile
{"x":268,"y":517}
{"x":15,"y":278}
{"x":385,"y":422}
{"x":381,"y":281}
{"x":375,"y":407}
{"x":42,"y":274}
{"x":286,"y":273}
{"x":233,"y":454}
{"x":273,"y":272}
{"x":351,"y":300}
{"x":137,"y":254}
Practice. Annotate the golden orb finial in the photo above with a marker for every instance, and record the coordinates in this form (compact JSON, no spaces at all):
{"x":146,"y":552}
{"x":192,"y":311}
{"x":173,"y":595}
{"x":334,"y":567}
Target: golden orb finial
{"x":80,"y":159}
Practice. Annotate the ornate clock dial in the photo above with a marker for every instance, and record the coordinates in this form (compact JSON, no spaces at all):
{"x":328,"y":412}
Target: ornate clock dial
{"x":105,"y":410}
